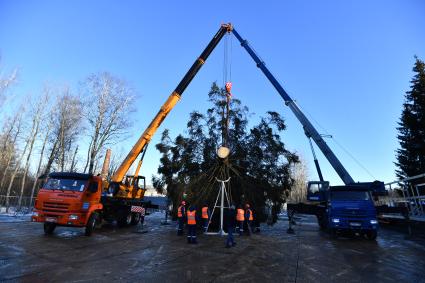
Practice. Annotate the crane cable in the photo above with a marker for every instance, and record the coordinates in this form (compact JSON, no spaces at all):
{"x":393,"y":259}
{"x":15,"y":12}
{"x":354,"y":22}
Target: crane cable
{"x":227,"y":82}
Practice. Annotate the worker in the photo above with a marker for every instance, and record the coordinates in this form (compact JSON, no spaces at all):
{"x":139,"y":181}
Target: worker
{"x":191,"y":225}
{"x":240,"y":218}
{"x":181,"y":214}
{"x":230,"y":223}
{"x":205,"y":217}
{"x":249,"y":217}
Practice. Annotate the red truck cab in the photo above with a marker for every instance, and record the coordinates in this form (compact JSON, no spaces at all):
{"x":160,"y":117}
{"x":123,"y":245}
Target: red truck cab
{"x":69,"y":199}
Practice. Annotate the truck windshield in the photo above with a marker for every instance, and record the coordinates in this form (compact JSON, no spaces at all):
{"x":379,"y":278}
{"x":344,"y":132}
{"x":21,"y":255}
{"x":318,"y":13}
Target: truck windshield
{"x":65,"y":184}
{"x":350,"y":195}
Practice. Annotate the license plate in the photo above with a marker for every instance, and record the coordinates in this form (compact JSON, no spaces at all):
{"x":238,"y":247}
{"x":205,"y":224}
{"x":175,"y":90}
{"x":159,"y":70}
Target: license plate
{"x":356,"y":224}
{"x":51,"y":219}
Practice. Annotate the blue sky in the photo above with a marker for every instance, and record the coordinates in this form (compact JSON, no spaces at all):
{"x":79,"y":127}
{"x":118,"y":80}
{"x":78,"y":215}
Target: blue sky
{"x":346,"y":63}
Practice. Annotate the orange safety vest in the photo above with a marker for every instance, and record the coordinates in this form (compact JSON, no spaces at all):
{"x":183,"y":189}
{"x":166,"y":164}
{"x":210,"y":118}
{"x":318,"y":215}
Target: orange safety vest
{"x":251,"y":217}
{"x":191,"y":217}
{"x":240,"y":216}
{"x":179,"y":212}
{"x":205,"y":212}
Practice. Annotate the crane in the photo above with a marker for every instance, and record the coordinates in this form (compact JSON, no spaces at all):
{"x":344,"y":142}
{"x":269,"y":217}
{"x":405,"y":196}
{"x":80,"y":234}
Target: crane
{"x":127,"y":191}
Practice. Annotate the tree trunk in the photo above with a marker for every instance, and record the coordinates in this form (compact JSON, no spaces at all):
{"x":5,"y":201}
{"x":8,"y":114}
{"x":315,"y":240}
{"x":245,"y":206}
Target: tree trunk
{"x":12,"y":178}
{"x":27,"y":163}
{"x":10,"y":156}
{"x":92,"y":161}
{"x":39,"y":165}
{"x":51,"y":158}
{"x":88,"y":156}
{"x":73,"y":160}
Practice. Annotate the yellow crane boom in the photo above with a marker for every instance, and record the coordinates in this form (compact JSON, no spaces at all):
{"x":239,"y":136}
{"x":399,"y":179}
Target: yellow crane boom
{"x":164,"y":110}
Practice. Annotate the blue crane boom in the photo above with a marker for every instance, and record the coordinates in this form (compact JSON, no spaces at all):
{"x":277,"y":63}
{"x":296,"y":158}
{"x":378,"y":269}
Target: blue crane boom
{"x":309,"y":129}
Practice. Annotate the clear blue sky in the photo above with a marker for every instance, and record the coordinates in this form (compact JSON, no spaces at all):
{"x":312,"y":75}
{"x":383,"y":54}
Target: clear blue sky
{"x":347,"y":63}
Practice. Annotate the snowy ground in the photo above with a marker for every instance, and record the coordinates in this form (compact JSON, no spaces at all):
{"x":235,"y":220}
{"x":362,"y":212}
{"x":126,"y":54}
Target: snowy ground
{"x":132,"y":255}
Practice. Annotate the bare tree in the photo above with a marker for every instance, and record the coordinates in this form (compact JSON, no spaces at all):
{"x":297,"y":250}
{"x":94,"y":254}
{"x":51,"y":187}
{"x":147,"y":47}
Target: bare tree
{"x":12,"y":132}
{"x":109,"y":103}
{"x":6,"y":80}
{"x":73,"y":163}
{"x":46,"y":136}
{"x":115,"y":161}
{"x":37,"y":113}
{"x":66,"y":121}
{"x":19,"y":161}
{"x":300,"y":176}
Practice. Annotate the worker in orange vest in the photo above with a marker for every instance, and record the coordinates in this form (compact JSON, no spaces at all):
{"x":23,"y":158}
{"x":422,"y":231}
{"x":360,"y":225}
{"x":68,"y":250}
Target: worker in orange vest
{"x":191,"y":225}
{"x":181,"y":214}
{"x":240,"y":218}
{"x":205,"y":217}
{"x":249,"y":218}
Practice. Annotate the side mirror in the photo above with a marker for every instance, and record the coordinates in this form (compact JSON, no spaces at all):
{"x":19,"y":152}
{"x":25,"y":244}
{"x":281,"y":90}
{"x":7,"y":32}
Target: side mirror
{"x":93,"y":188}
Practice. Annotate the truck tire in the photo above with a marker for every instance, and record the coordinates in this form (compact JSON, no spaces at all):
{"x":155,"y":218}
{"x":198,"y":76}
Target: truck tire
{"x":371,"y":235}
{"x":91,"y":224}
{"x":135,"y":218}
{"x":322,"y":222}
{"x":49,"y":228}
{"x":124,"y":219}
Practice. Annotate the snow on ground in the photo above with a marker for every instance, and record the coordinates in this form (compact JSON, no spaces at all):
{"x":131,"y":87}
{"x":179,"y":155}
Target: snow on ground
{"x":10,"y":217}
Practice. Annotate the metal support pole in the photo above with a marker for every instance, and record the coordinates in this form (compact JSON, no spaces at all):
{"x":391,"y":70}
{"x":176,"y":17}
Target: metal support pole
{"x":222,"y":209}
{"x":221,"y":194}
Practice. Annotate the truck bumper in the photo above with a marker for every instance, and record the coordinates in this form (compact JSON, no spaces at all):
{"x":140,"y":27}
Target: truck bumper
{"x":355,"y":225}
{"x":73,"y":219}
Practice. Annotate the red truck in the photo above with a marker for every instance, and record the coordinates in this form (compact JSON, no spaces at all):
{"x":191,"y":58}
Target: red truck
{"x":78,"y":200}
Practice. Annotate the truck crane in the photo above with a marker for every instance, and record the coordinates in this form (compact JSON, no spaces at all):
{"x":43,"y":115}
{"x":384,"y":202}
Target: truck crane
{"x":348,"y":208}
{"x":82,"y":200}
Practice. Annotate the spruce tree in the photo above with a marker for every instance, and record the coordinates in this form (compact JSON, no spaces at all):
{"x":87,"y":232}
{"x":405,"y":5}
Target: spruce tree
{"x":259,"y":164}
{"x":411,"y":130}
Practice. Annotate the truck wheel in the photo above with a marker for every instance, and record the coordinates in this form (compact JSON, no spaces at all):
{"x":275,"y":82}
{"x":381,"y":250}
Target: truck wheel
{"x":371,"y":235}
{"x":91,"y":224}
{"x":135,"y":218}
{"x":49,"y":228}
{"x":125,"y":219}
{"x":322,"y":222}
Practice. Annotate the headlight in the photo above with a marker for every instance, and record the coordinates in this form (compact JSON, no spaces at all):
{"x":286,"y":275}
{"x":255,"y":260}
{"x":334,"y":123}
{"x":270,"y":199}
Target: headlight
{"x":35,"y":213}
{"x":335,"y":220}
{"x":73,"y":217}
{"x":373,"y":221}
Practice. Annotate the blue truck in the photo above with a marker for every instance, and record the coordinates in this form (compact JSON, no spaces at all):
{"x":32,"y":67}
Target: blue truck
{"x":351,"y":210}
{"x":346,"y":208}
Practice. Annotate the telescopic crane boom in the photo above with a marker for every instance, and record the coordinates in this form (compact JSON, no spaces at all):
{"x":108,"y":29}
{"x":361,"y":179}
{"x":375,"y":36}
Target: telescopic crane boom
{"x":309,"y":129}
